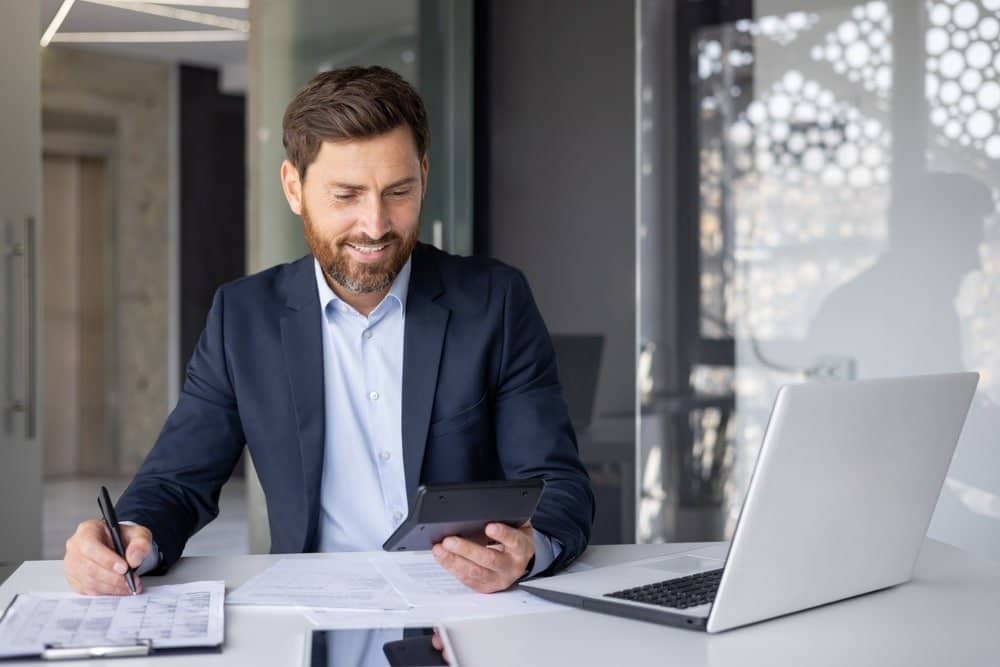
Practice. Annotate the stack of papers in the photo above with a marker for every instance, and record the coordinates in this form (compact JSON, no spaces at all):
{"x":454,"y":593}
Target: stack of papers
{"x":182,"y":616}
{"x":390,"y":588}
{"x":335,"y":582}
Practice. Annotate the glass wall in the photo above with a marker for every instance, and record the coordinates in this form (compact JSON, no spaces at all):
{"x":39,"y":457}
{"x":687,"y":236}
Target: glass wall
{"x":428,"y":42}
{"x":842,"y":213}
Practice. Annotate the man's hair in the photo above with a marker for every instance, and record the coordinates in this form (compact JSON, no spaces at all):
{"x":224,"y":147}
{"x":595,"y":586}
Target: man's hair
{"x":350,"y":103}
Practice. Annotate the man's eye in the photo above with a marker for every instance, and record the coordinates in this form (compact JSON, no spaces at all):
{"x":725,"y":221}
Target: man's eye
{"x":343,"y":197}
{"x":400,"y":193}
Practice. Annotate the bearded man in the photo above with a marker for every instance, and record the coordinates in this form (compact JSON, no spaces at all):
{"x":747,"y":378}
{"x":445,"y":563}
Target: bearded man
{"x":353,"y":375}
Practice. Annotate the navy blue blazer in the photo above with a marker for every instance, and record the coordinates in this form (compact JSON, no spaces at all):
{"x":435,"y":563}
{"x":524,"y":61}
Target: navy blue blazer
{"x":481,"y":400}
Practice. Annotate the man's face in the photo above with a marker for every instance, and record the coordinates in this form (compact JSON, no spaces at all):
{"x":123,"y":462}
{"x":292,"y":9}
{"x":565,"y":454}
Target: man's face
{"x":360,"y":207}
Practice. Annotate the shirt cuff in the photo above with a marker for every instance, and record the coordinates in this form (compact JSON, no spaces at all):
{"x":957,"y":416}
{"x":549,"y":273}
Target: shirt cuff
{"x":152,"y":559}
{"x":547,"y":549}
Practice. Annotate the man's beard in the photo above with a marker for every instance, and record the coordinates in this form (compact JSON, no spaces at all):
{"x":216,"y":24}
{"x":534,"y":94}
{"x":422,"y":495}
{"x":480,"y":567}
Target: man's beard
{"x":357,"y":277}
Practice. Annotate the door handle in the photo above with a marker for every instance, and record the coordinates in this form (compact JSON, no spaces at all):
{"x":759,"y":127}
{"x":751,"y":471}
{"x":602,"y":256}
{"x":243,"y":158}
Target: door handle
{"x":13,"y":405}
{"x":31,"y":381}
{"x":11,"y":251}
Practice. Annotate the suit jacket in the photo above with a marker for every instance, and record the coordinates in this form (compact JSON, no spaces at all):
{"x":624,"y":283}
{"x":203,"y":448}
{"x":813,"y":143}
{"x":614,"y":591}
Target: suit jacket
{"x":481,"y":400}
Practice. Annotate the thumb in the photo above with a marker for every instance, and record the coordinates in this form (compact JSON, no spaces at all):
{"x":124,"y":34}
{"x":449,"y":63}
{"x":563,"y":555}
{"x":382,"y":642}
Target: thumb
{"x":138,"y":544}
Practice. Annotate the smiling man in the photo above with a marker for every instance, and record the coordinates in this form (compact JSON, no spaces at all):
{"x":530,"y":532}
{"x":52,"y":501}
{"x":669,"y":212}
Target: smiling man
{"x":360,"y":371}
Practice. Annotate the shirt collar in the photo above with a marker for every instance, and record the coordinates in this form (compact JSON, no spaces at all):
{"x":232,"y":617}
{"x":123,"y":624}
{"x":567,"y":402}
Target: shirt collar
{"x":400,"y":286}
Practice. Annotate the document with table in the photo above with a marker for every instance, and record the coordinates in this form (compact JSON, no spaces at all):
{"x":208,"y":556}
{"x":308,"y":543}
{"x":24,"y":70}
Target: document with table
{"x":339,"y":582}
{"x":179,"y":616}
{"x":393,"y":588}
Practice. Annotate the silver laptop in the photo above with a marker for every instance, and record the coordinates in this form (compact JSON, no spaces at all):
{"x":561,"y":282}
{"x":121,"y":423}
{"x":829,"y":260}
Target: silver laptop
{"x":838,"y":505}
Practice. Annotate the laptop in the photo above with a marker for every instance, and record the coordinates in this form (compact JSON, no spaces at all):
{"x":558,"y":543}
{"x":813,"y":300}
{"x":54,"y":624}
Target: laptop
{"x":578,"y":357}
{"x":838,"y":505}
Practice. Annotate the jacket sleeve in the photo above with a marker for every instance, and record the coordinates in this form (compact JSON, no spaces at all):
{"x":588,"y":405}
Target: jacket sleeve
{"x":176,"y":491}
{"x":533,"y":431}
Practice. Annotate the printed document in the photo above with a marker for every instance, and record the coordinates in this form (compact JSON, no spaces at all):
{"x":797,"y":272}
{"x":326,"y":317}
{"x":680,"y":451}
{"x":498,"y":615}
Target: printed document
{"x":337,"y":581}
{"x":184,"y":615}
{"x":434,"y":595}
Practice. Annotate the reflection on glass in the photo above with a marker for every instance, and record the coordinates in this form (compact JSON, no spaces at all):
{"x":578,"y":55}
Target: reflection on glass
{"x":849,"y":166}
{"x":377,"y":647}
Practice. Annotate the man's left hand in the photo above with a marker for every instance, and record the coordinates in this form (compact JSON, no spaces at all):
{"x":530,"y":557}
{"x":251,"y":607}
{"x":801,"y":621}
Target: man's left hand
{"x":493,"y":567}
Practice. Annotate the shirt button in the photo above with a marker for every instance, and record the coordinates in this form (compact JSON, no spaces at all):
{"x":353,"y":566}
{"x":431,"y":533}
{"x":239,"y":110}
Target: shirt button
{"x":367,"y":334}
{"x":384,"y":456}
{"x":397,"y":516}
{"x":373,"y":395}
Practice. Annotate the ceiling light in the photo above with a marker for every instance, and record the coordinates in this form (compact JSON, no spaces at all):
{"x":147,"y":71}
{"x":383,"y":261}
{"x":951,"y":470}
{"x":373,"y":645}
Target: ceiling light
{"x":155,"y":37}
{"x":56,"y":22}
{"x":187,"y":15}
{"x":225,"y":4}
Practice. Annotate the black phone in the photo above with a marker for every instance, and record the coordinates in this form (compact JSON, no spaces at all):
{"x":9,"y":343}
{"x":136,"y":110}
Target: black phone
{"x":413,"y":652}
{"x":379,"y":647}
{"x":464,"y":509}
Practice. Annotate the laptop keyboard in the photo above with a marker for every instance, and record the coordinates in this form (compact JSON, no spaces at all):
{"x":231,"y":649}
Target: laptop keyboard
{"x":682,"y":593}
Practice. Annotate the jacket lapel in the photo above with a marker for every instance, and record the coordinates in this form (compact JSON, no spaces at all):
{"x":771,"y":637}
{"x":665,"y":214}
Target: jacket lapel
{"x":301,"y":340}
{"x":423,"y":339}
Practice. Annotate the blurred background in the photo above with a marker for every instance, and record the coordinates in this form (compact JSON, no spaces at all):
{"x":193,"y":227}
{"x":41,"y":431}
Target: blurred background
{"x":710,"y":199}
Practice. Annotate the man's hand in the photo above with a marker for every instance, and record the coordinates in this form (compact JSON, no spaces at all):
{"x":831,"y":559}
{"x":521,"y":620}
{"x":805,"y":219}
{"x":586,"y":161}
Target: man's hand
{"x":438,"y":644}
{"x":91,"y":564}
{"x":490,"y":568}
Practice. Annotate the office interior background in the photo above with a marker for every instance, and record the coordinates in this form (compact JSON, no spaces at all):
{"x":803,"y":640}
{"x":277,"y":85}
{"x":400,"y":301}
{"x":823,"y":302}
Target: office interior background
{"x":710,"y":199}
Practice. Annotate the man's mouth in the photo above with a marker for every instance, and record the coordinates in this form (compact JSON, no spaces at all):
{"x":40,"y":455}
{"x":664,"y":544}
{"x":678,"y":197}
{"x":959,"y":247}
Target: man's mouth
{"x":368,"y":253}
{"x":368,"y":249}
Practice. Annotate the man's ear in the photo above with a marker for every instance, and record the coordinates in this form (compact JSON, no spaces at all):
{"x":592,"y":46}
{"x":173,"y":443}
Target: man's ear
{"x":425,"y":167}
{"x":291,"y":186}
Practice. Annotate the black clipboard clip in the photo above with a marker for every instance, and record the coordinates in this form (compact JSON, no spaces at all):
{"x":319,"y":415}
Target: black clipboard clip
{"x":59,"y":652}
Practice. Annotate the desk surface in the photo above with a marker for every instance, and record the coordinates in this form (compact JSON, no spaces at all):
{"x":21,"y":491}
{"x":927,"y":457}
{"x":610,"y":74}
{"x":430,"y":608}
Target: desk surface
{"x":948,"y":614}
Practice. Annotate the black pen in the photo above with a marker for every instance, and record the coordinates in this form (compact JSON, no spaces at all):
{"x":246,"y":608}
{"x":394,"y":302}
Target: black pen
{"x":111,"y":521}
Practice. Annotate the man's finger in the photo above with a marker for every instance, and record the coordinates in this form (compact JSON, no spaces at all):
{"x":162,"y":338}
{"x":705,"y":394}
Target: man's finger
{"x":111,"y":583}
{"x":472,"y":575}
{"x":439,"y":646}
{"x":99,"y":553}
{"x":511,"y":538}
{"x":491,"y":559}
{"x":102,"y":580}
{"x":138,"y":546}
{"x":90,"y":531}
{"x":460,"y":566}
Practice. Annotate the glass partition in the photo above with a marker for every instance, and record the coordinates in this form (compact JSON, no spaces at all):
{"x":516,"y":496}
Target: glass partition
{"x":429,"y":42}
{"x":837,"y":220}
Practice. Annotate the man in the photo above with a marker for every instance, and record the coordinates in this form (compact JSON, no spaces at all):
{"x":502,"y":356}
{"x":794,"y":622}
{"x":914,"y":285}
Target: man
{"x":352,"y":375}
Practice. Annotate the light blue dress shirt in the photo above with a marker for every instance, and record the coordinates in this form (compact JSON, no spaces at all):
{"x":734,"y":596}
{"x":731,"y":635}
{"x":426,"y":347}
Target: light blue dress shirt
{"x":363,"y":489}
{"x":363,"y":492}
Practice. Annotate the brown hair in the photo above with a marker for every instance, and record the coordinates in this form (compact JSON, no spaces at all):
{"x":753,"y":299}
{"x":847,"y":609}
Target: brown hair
{"x":350,"y":103}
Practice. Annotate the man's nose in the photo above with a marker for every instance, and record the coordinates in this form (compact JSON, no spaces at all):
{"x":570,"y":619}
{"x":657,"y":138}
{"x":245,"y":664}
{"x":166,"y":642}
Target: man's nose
{"x":375,"y":221}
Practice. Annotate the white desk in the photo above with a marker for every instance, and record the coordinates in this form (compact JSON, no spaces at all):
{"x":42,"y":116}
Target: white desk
{"x":948,"y":615}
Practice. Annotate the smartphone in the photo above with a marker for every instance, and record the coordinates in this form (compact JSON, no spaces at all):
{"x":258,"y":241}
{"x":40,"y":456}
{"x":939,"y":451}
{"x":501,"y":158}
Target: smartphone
{"x":379,"y":647}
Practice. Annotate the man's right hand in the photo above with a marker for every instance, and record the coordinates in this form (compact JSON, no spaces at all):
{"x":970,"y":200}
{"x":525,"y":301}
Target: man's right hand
{"x":91,"y":564}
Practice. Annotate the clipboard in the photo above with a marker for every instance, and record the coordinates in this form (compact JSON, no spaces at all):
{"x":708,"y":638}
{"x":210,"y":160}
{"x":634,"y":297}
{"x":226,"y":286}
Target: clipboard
{"x":55,"y":651}
{"x":59,"y":652}
{"x":33,"y":625}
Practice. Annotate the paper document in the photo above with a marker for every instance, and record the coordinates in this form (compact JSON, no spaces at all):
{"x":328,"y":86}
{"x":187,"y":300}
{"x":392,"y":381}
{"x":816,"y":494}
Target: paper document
{"x":338,"y":582}
{"x":185,"y":615}
{"x":434,"y":595}
{"x":424,"y":583}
